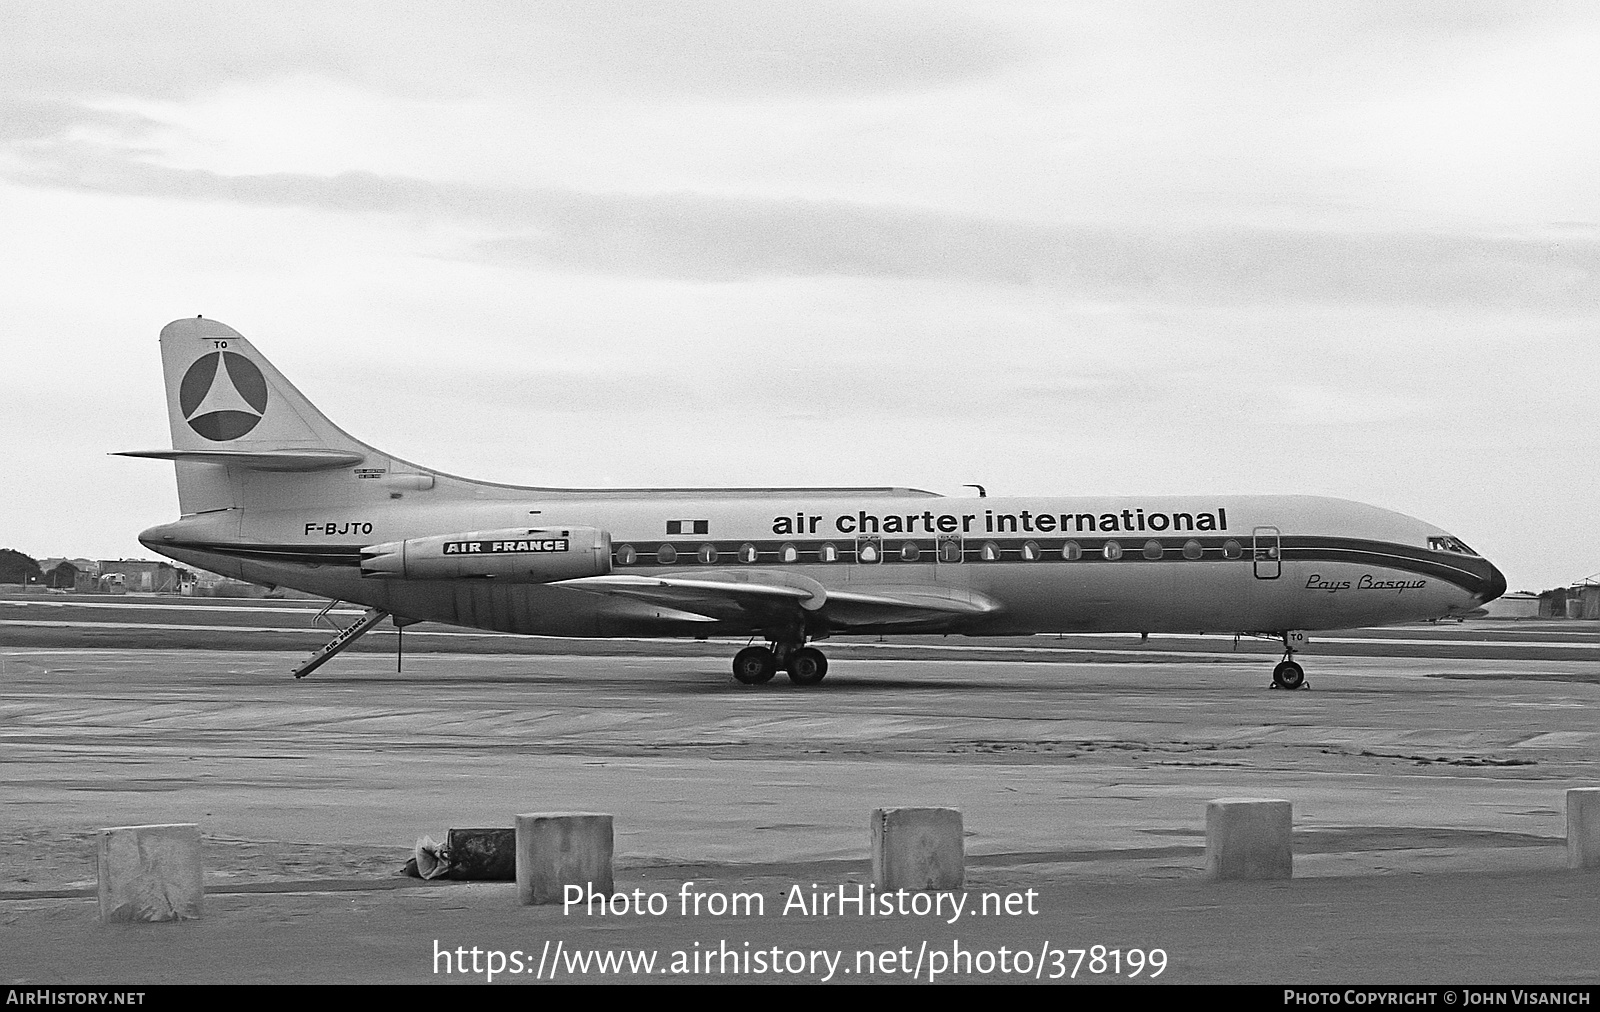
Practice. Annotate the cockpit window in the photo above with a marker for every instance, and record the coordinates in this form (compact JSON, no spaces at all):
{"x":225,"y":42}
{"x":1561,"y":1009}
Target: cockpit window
{"x":1445,"y":543}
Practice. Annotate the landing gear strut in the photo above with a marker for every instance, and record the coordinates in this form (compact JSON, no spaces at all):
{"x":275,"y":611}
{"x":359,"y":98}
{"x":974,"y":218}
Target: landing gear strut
{"x":1288,"y":674}
{"x":757,"y":665}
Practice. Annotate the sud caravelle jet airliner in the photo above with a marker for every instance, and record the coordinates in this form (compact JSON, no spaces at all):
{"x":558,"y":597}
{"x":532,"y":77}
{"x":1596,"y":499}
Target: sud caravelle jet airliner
{"x":272,"y":492}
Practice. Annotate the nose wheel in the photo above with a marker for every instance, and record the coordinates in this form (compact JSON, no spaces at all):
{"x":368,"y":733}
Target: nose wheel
{"x":1289,"y":675}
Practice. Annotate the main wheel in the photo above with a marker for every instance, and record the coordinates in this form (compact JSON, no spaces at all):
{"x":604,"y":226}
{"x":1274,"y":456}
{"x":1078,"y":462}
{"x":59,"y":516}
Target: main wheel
{"x":807,"y":666}
{"x":754,"y":665}
{"x":1288,"y":675}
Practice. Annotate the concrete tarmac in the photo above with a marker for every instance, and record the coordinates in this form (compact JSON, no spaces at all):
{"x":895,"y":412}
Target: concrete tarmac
{"x":1428,"y":800}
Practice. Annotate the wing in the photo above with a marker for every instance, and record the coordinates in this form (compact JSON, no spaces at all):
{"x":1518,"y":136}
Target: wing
{"x":762,"y":597}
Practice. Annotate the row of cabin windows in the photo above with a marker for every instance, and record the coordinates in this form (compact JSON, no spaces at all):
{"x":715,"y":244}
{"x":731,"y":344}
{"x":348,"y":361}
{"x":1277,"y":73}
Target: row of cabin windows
{"x":910,"y":551}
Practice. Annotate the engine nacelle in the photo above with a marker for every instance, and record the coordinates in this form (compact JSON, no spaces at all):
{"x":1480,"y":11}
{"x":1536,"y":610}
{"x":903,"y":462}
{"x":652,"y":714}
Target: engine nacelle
{"x":515,"y":555}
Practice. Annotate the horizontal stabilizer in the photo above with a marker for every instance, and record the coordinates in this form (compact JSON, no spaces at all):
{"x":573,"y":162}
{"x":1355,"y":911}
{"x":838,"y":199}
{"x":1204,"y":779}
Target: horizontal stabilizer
{"x":258,"y":460}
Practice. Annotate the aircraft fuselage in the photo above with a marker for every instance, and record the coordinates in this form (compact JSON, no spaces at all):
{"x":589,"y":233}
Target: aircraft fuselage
{"x":1146,"y":564}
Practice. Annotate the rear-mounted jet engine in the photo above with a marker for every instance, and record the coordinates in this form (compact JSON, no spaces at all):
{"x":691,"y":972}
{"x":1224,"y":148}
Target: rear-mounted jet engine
{"x":518,"y":555}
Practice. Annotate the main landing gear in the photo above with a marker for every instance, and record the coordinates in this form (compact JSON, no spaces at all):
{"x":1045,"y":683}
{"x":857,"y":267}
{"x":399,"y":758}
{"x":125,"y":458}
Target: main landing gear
{"x":757,"y":665}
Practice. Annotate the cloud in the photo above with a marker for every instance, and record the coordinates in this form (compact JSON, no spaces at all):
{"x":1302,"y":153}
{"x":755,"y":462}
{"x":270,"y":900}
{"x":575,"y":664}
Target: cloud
{"x":177,"y":49}
{"x":716,"y":238}
{"x":41,"y":119}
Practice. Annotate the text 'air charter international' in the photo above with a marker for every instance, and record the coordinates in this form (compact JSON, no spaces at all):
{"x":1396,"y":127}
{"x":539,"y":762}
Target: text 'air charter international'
{"x":928,"y":522}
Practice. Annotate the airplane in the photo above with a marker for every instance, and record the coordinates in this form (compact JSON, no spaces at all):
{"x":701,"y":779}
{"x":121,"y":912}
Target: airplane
{"x":272,"y":492}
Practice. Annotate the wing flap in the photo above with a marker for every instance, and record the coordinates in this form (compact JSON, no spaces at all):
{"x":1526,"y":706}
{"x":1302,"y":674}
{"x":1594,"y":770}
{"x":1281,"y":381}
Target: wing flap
{"x":925,"y":607}
{"x":728,"y":599}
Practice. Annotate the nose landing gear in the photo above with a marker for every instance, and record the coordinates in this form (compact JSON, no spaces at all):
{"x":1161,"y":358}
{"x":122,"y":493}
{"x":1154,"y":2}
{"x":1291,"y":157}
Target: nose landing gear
{"x":1288,"y":674}
{"x":757,"y":665}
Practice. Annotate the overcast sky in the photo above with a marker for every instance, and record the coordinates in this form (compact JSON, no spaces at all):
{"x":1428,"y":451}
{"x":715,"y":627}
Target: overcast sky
{"x":1348,"y":249}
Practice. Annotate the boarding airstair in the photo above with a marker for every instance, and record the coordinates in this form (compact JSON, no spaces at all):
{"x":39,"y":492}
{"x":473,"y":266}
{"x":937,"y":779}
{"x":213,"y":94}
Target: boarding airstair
{"x":348,"y":635}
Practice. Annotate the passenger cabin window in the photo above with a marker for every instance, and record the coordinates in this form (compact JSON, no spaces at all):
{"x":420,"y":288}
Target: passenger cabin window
{"x":909,"y":552}
{"x":867,"y":552}
{"x":1445,"y":543}
{"x":626,"y":556}
{"x":990,"y":553}
{"x":829,"y":552}
{"x":1153,"y":549}
{"x":1192,"y":549}
{"x":1231,"y":549}
{"x":708,"y":553}
{"x":1072,"y":551}
{"x":747,"y":552}
{"x":666,"y":555}
{"x":949,"y":550}
{"x":1030,"y":551}
{"x":1112,"y":551}
{"x":789,"y":553}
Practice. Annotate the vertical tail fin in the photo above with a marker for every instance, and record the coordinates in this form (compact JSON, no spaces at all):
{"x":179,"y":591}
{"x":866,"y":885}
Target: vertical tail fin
{"x":242,"y":435}
{"x":222,"y":394}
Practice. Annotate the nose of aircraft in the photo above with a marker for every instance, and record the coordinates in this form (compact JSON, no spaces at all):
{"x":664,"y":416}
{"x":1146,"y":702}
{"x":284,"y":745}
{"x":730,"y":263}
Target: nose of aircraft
{"x":1494,"y":586}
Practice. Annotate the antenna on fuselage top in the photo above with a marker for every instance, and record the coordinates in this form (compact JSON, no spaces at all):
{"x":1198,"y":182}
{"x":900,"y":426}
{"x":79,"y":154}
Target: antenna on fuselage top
{"x":982,"y":493}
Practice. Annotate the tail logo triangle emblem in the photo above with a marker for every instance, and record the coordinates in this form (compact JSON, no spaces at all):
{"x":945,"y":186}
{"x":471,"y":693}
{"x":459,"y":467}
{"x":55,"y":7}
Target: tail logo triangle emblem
{"x":223,"y":396}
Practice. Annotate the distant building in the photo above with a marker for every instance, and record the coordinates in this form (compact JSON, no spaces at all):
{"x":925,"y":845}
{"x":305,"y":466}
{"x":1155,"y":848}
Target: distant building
{"x":142,"y":577}
{"x":1522,"y":604}
{"x":209,"y":584}
{"x":81,"y":575}
{"x":1589,"y":598}
{"x":83,"y":565}
{"x":61,"y":576}
{"x":205,"y":579}
{"x":1581,"y":600}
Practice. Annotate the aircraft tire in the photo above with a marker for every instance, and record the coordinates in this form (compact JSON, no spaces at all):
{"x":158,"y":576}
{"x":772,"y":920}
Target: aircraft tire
{"x":807,"y":666}
{"x":754,"y":665}
{"x":1288,"y":675}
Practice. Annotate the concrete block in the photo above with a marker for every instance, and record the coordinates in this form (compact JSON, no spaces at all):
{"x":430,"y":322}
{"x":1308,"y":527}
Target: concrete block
{"x":918,"y":848}
{"x":150,"y":873}
{"x":1583,"y":827}
{"x":557,"y":849}
{"x":1249,"y":838}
